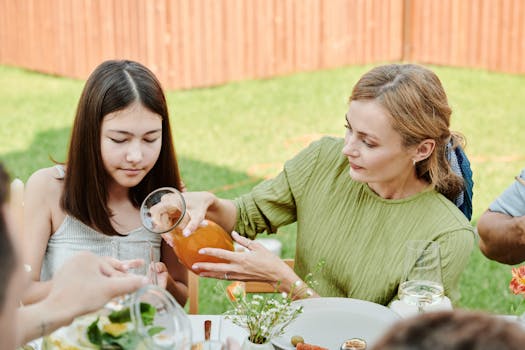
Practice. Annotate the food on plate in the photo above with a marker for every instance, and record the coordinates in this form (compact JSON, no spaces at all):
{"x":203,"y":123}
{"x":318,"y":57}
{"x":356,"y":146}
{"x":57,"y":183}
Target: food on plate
{"x":296,"y":339}
{"x":114,"y":331}
{"x":306,"y":346}
{"x":354,"y":344}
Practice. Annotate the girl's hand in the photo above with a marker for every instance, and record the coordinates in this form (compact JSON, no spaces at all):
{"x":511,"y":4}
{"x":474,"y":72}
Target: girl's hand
{"x":115,"y":267}
{"x":162,"y":274}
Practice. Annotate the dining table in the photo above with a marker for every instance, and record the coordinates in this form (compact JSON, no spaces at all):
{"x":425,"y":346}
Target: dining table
{"x":222,"y":327}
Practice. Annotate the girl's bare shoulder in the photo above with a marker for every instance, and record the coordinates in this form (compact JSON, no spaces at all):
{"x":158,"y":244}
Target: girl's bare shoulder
{"x":45,"y":183}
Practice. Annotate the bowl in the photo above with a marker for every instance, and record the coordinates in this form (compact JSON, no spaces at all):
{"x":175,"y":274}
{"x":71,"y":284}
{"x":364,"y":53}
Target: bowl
{"x":328,"y":322}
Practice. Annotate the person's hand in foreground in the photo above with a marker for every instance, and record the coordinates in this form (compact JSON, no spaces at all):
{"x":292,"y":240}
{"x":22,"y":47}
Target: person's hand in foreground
{"x":85,"y":283}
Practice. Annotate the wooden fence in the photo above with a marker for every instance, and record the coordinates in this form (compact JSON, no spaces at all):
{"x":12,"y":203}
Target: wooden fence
{"x":192,"y":43}
{"x":470,"y":33}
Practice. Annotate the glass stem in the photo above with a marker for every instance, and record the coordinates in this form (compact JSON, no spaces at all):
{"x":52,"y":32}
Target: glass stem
{"x":420,"y":307}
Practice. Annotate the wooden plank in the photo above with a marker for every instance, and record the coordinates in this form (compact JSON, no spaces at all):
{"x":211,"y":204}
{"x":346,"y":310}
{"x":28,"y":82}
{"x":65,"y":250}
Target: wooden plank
{"x":513,"y":40}
{"x":107,"y":39}
{"x":206,"y":49}
{"x":520,"y":53}
{"x":445,"y":29}
{"x":396,"y":44}
{"x":474,"y":52}
{"x":494,"y":43}
{"x":185,"y":32}
{"x":161,"y":47}
{"x":78,"y":38}
{"x":93,"y":35}
{"x":217,"y":43}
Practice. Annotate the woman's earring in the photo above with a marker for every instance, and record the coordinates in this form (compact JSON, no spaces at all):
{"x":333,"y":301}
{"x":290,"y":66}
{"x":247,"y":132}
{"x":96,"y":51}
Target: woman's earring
{"x":414,"y":162}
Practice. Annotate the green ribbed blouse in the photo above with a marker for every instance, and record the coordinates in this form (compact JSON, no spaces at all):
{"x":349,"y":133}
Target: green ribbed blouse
{"x":358,"y":234}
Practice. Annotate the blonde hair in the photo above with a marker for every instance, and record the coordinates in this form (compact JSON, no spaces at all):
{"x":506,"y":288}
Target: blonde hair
{"x":416,"y":101}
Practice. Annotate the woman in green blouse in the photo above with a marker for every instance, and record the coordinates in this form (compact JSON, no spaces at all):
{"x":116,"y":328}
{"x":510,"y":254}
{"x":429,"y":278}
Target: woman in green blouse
{"x":356,"y":200}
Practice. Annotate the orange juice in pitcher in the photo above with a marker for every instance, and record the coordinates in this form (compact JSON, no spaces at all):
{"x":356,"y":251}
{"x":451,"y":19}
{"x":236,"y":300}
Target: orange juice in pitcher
{"x":187,"y":248}
{"x":164,"y":212}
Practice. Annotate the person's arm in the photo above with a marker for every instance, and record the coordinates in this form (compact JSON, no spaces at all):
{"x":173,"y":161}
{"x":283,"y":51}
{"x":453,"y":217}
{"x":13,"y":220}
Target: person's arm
{"x":222,"y":212}
{"x":502,"y":237}
{"x":85,"y":283}
{"x":257,"y":264}
{"x":40,"y":194}
{"x":268,"y":206}
{"x":177,"y":276}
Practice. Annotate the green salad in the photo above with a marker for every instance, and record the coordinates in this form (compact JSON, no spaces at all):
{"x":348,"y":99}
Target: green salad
{"x":112,"y":332}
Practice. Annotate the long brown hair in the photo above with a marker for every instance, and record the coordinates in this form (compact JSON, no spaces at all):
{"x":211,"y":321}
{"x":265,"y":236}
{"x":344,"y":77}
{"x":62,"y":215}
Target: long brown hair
{"x":113,"y":86}
{"x":7,"y":250}
{"x":417,"y":103}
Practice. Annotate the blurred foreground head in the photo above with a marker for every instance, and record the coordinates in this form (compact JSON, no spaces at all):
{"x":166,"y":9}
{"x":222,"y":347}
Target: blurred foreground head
{"x":10,"y":283}
{"x":454,"y":330}
{"x":7,"y":252}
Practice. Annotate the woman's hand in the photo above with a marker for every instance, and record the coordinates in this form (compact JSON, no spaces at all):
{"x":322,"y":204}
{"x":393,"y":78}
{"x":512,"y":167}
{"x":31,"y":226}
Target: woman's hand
{"x":256,"y":264}
{"x":197,"y":204}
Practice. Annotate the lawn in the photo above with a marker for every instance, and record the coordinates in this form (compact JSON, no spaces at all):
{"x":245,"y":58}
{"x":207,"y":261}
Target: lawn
{"x":229,"y":138}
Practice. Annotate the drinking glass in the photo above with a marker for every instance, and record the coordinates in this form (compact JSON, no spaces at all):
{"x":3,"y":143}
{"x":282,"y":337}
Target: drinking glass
{"x":164,"y":212}
{"x":140,"y":255}
{"x":169,"y":328}
{"x":422,"y":284}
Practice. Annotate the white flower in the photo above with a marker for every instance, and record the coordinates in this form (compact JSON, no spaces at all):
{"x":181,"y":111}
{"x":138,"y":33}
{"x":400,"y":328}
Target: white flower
{"x":264,"y":317}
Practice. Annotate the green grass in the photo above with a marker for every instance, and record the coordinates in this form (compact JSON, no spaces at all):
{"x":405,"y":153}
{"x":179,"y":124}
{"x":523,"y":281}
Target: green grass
{"x":230,"y":137}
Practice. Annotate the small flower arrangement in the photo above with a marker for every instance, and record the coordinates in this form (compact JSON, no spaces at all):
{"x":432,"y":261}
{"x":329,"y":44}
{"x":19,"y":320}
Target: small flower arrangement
{"x":517,"y":283}
{"x":264,"y":317}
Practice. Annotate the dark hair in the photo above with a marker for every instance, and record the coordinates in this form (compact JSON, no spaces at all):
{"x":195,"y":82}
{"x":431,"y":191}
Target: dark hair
{"x":417,"y":103}
{"x":7,"y":252}
{"x":113,"y":86}
{"x":453,"y":330}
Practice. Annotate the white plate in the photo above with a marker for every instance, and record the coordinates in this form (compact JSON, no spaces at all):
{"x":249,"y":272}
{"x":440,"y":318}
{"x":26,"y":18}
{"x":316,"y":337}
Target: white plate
{"x":328,"y":322}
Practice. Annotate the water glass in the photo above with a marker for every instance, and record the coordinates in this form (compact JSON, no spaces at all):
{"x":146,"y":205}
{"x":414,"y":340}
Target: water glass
{"x":422,"y":283}
{"x":140,"y":254}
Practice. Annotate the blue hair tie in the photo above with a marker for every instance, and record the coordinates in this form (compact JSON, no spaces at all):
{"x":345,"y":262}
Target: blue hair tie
{"x":461,"y":166}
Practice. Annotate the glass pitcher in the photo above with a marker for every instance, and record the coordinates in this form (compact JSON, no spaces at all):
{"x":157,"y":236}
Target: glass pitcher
{"x":172,"y":218}
{"x":151,"y":320}
{"x":159,"y":320}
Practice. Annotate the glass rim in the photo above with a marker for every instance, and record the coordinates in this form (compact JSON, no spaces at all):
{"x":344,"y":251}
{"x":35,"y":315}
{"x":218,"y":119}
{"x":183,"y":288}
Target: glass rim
{"x":154,"y":192}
